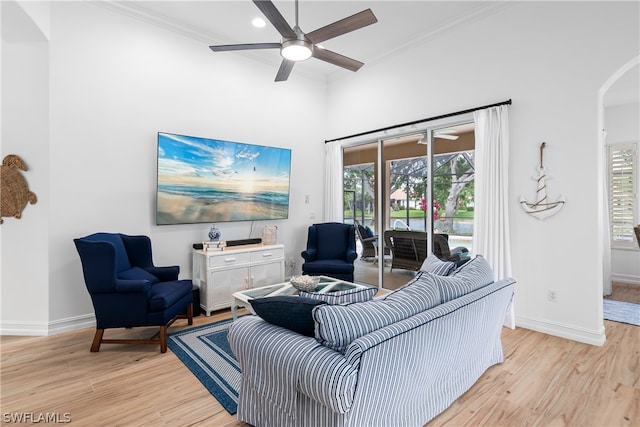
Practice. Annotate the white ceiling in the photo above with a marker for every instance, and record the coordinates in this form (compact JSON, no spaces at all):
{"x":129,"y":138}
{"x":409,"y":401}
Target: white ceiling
{"x":400,"y":24}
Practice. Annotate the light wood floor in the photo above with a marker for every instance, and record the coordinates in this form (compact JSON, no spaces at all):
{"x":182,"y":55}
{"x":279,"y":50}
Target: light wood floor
{"x":628,"y":292}
{"x":544,"y":381}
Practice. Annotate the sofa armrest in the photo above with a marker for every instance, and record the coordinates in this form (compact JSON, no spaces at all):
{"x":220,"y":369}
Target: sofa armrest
{"x":292,"y":363}
{"x":328,"y":378}
{"x":360,"y":346}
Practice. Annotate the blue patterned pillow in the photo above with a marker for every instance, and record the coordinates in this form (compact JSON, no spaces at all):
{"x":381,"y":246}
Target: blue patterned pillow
{"x":435,"y":265}
{"x":343,"y":297}
{"x":467,"y":278}
{"x":338,"y":325}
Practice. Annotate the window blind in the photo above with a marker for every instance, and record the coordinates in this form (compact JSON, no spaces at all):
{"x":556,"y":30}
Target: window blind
{"x":623,"y":168}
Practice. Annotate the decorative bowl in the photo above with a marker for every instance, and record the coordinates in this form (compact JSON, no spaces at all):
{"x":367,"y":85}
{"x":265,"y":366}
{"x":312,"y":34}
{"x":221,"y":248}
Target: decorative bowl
{"x":305,"y":283}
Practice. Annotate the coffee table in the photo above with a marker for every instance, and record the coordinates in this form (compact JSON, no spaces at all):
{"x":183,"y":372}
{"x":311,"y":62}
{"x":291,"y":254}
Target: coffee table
{"x":326,"y":284}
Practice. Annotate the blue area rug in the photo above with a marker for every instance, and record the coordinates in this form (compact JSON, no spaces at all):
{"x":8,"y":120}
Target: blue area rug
{"x":623,"y":312}
{"x":205,"y":351}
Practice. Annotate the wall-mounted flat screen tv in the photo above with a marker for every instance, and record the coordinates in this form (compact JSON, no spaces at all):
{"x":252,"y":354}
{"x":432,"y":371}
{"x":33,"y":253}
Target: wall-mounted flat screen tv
{"x":209,"y":180}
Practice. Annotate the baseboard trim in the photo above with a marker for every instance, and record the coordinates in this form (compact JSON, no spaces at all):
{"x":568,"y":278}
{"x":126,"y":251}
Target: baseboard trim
{"x":587,"y":336}
{"x":54,"y":327}
{"x":626,"y":278}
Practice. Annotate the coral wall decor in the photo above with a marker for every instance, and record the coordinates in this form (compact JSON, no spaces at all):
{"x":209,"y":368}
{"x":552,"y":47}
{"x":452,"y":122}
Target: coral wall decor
{"x":14,"y":191}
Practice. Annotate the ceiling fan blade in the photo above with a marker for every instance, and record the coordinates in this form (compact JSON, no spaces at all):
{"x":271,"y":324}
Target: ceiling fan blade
{"x":343,"y":26}
{"x":284,"y":70}
{"x":445,"y":136}
{"x":246,"y":46}
{"x":275,"y":17}
{"x":337,"y":59}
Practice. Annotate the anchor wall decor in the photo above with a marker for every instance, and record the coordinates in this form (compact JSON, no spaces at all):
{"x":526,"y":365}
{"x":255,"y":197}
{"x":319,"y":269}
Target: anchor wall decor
{"x":542,"y":208}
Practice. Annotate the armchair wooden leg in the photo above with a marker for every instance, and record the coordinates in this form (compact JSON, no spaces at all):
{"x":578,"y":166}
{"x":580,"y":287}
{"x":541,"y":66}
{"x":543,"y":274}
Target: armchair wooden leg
{"x":97,"y":340}
{"x":163,"y":339}
{"x":190,"y":314}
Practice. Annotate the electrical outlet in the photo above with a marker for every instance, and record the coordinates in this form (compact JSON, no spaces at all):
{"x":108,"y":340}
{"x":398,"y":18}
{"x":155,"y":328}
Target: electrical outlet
{"x":552,"y":295}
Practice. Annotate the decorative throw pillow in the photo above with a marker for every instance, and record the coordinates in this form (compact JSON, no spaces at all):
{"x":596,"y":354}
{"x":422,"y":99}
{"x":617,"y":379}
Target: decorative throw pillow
{"x":343,"y":297}
{"x":435,"y":265}
{"x":137,"y":273}
{"x":288,"y":311}
{"x":369,"y":232}
{"x":466,"y":278}
{"x":338,"y":325}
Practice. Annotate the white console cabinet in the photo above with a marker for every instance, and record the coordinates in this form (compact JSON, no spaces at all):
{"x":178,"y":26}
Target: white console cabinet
{"x":219,"y":274}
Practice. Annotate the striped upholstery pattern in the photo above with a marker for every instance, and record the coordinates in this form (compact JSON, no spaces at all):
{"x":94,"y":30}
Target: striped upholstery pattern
{"x":271,"y":370}
{"x":343,"y":297}
{"x":338,"y":325}
{"x":405,"y":373}
{"x":467,"y":278}
{"x":435,"y":265}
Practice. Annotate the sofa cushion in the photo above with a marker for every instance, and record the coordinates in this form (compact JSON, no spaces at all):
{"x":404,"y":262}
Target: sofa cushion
{"x":343,"y":297}
{"x":137,"y":273}
{"x":433,"y":264}
{"x":288,"y":311}
{"x":338,"y":325}
{"x":466,"y":278}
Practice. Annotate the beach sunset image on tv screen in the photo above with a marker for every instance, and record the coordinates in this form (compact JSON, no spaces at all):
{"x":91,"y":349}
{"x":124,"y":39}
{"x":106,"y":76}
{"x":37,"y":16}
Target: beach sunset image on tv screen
{"x":209,"y":180}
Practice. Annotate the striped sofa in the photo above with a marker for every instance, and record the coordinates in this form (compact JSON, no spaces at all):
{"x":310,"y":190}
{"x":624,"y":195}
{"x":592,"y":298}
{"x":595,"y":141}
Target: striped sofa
{"x":393,"y":361}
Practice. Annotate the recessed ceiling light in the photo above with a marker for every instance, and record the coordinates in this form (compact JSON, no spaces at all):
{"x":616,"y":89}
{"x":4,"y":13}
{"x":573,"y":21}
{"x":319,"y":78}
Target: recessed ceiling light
{"x":258,"y":22}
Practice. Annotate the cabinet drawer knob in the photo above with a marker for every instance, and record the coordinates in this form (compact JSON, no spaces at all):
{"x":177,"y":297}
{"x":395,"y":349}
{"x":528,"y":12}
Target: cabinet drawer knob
{"x":267,"y":255}
{"x":232,"y":259}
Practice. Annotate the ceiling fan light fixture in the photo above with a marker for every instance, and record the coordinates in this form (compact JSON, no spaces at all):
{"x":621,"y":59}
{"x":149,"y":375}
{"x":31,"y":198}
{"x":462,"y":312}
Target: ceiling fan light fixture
{"x":258,"y":22}
{"x":296,"y":50}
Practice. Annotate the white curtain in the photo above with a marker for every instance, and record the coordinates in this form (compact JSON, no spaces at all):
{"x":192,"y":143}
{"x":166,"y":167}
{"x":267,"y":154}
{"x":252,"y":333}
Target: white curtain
{"x":333,"y":208}
{"x":491,"y":237}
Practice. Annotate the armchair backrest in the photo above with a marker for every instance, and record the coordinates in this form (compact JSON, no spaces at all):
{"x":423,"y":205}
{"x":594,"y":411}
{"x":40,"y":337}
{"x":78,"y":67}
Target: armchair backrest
{"x":409,"y":244}
{"x":108,"y":256}
{"x":332,"y":240}
{"x":121,"y":257}
{"x":102,"y":256}
{"x":441,"y":246}
{"x":138,"y":250}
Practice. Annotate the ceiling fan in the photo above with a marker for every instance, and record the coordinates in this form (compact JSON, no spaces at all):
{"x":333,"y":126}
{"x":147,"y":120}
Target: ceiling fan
{"x":445,"y":134}
{"x":298,"y":46}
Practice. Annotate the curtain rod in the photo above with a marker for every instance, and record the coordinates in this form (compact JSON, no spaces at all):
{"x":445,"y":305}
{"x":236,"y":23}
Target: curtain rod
{"x":415,"y":122}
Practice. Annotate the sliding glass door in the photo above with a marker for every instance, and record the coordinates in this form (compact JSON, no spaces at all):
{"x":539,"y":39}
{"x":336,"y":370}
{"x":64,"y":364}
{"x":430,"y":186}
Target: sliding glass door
{"x":403,"y":191}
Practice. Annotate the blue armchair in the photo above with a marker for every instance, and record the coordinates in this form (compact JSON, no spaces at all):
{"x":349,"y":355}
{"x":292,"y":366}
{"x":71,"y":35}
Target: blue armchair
{"x":331,"y":251}
{"x":127,"y":290}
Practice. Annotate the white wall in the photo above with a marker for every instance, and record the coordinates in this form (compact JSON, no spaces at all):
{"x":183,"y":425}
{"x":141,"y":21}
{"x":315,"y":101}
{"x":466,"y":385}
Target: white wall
{"x":622,"y":126}
{"x":114,"y":82}
{"x":24,"y":266}
{"x":551,"y":59}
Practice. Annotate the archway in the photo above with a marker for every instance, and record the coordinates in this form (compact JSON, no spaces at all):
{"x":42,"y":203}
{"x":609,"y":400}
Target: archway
{"x":603,"y":223}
